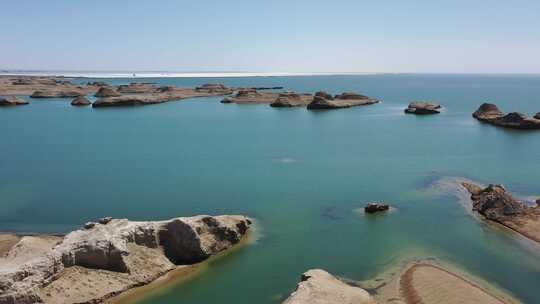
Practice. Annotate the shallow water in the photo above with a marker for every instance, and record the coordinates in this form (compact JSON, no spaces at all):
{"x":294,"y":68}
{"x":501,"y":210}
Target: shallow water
{"x":300,"y":173}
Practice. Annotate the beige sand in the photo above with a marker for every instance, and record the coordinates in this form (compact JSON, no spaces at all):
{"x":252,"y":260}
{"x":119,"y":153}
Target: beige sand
{"x":6,"y":242}
{"x":424,"y":283}
{"x":427,"y":282}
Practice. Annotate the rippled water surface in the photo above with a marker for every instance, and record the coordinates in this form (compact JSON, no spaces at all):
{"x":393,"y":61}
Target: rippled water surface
{"x":300,"y":173}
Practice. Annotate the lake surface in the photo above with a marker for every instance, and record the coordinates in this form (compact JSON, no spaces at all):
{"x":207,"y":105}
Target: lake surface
{"x":300,"y":174}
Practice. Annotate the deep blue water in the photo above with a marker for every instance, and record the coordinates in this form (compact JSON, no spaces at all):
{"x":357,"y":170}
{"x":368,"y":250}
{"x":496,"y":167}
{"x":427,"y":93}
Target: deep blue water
{"x":300,"y":173}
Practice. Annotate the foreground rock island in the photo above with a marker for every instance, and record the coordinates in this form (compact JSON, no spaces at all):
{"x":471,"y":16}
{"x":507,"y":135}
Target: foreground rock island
{"x":498,"y":205}
{"x":106,"y":258}
{"x":491,"y":114}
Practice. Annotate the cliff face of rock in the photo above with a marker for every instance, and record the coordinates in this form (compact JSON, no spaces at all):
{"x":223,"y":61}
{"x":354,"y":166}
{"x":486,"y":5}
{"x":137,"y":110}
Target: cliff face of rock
{"x":490,"y":113}
{"x":498,"y":205}
{"x":121,"y":254}
{"x":319,"y":287}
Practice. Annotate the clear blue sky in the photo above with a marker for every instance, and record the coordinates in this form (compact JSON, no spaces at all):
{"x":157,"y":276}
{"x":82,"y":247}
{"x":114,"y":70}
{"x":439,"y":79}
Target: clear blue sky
{"x":272,"y":36}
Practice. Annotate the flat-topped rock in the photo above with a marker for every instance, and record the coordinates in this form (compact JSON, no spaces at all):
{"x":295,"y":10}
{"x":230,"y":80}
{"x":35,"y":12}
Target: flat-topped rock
{"x":107,"y":91}
{"x":320,"y":287}
{"x":322,"y":101}
{"x":56,"y":94}
{"x":120,"y":253}
{"x":162,"y":95}
{"x":498,"y":205}
{"x":80,"y":101}
{"x":251,"y":96}
{"x":491,"y":114}
{"x":423,"y":108}
{"x":291,"y":99}
{"x":12,"y":101}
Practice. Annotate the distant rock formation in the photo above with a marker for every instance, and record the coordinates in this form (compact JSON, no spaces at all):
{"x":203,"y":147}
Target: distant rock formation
{"x":376,"y":207}
{"x":12,"y":101}
{"x":214,"y":88}
{"x":291,"y":99}
{"x":537,"y":116}
{"x":490,"y":113}
{"x":317,"y":286}
{"x":80,"y":101}
{"x":116,"y":255}
{"x":136,"y":88}
{"x":496,"y":204}
{"x":107,"y":91}
{"x":324,"y":101}
{"x":423,"y":108}
{"x":56,"y":94}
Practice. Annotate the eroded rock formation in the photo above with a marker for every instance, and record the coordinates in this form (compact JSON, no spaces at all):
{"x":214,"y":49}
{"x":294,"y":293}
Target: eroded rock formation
{"x":107,"y":91}
{"x":496,"y":204}
{"x":80,"y":101}
{"x":117,"y":255}
{"x":490,"y":113}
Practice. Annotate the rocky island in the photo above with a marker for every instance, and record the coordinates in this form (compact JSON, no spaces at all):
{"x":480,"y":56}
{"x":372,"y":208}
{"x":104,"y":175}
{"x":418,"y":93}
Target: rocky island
{"x":491,"y":114}
{"x":109,"y":257}
{"x":423,"y":108}
{"x":325,"y":101}
{"x":284,"y":99}
{"x":496,"y":204}
{"x":163,"y":94}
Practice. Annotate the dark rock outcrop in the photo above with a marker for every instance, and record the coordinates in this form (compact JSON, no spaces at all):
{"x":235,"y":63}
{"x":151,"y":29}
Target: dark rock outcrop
{"x":376,"y":207}
{"x":423,"y":108}
{"x":80,"y":101}
{"x":12,"y":101}
{"x":491,"y":114}
{"x":537,"y":116}
{"x":323,"y":101}
{"x":107,"y":92}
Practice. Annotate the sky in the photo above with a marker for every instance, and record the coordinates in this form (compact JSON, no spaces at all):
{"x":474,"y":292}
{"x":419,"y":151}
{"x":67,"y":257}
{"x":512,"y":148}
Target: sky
{"x":458,"y":36}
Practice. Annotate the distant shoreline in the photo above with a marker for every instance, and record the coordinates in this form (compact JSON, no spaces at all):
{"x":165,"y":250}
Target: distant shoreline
{"x":126,"y":74}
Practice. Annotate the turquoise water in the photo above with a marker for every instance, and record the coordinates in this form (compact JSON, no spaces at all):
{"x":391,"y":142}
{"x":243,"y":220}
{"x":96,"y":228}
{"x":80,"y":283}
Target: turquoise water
{"x":301,"y":174}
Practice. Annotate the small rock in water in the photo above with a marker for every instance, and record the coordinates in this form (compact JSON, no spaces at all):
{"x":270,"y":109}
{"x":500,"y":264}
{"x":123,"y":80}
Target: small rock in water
{"x":89,"y":225}
{"x":105,"y":220}
{"x":376,"y":207}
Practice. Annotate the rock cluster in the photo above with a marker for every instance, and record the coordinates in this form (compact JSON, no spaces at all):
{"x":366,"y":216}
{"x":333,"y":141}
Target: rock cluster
{"x":490,"y":113}
{"x":423,"y":108}
{"x":12,"y":101}
{"x":317,"y":286}
{"x":127,"y":253}
{"x":376,"y":207}
{"x":325,"y":101}
{"x":80,"y":101}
